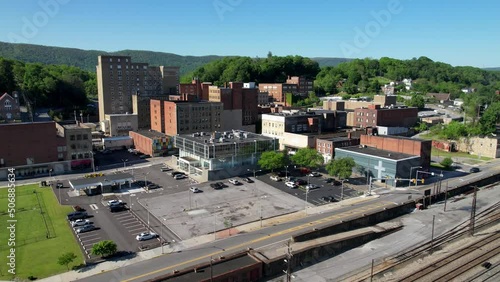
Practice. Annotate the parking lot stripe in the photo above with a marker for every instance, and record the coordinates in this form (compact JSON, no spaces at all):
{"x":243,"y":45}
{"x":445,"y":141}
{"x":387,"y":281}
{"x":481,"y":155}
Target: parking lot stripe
{"x":127,"y":219}
{"x":91,"y":242}
{"x":135,"y":234}
{"x":94,"y":207}
{"x":120,"y":215}
{"x":134,"y":227}
{"x":82,"y":238}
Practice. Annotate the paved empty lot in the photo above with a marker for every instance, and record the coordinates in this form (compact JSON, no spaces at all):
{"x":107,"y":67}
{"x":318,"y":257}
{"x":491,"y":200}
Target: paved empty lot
{"x":192,"y":214}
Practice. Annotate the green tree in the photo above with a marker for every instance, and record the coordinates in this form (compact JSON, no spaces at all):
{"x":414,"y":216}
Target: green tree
{"x":422,"y":126}
{"x":307,"y":157}
{"x":490,"y":118}
{"x":272,"y":160}
{"x":454,"y":130}
{"x":446,"y":162}
{"x":341,"y":168}
{"x":66,"y":259}
{"x":104,"y":248}
{"x":417,"y":101}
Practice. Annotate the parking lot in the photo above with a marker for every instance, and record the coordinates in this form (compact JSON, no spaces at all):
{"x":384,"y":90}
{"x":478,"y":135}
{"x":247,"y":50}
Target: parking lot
{"x":315,"y":196}
{"x":175,"y":213}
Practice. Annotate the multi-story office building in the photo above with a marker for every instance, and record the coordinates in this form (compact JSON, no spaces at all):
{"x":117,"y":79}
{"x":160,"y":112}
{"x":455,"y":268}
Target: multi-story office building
{"x":141,"y":105}
{"x":217,"y":155}
{"x":118,"y":78}
{"x":374,"y":116}
{"x":240,"y":103}
{"x":183,"y":117}
{"x":119,"y":124}
{"x":278,"y":91}
{"x":326,"y":146}
{"x":304,"y":85}
{"x":78,"y":140}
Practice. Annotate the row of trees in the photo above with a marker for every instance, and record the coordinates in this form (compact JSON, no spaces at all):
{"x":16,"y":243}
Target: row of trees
{"x":270,"y":69}
{"x":309,"y":158}
{"x":48,"y":85}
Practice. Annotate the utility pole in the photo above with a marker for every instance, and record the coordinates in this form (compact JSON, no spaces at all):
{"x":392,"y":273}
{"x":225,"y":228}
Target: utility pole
{"x":211,"y":270}
{"x":288,"y":261}
{"x":432,"y":234}
{"x":445,"y":195}
{"x":473,"y":212}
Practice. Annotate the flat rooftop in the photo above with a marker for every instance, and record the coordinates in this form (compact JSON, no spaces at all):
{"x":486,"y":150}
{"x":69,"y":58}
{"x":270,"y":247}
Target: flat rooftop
{"x":150,"y":133}
{"x":294,"y":114}
{"x":106,"y":179}
{"x":372,"y":151}
{"x":224,"y":267}
{"x":229,"y":137}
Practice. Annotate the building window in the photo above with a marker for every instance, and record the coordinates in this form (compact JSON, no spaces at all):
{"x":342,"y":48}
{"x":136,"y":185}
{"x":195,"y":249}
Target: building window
{"x":7,"y":104}
{"x":79,"y":137}
{"x":85,"y":137}
{"x":72,"y":137}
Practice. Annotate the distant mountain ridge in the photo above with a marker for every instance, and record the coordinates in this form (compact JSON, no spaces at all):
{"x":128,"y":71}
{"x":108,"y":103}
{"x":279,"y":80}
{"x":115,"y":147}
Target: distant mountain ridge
{"x":87,"y":59}
{"x":492,"y":69}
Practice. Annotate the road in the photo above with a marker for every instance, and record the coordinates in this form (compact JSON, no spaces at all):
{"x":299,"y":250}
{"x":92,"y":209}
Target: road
{"x":271,"y":235}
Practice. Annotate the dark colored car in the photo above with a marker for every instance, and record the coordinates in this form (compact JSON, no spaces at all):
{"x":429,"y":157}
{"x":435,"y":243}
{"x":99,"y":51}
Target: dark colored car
{"x":336,"y":183}
{"x":328,"y":199}
{"x":174,"y":173}
{"x":77,"y":215}
{"x":300,"y":182}
{"x":217,"y":185}
{"x":247,"y":179}
{"x":152,"y":186}
{"x":117,"y":208}
{"x":329,"y":180}
{"x":474,"y":169}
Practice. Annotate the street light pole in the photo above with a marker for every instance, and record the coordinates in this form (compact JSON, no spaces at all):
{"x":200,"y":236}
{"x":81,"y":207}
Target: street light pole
{"x":411,"y":169}
{"x":305,"y":206}
{"x":124,"y":162}
{"x":342,"y":189}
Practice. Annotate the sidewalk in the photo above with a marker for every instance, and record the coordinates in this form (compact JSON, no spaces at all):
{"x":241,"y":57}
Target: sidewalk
{"x":196,"y":241}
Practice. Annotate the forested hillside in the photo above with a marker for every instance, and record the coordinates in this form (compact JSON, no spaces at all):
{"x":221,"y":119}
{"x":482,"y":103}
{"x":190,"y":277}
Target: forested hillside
{"x":48,"y":85}
{"x":365,"y":76}
{"x":87,"y":59}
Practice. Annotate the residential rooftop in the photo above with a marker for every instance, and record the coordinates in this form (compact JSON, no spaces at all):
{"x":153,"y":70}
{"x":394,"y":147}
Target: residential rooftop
{"x":150,"y":133}
{"x":372,"y":151}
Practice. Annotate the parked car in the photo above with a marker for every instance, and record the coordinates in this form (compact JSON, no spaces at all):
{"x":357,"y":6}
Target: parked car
{"x":194,"y":190}
{"x":311,"y":186}
{"x":314,"y":174}
{"x":117,"y":208}
{"x":179,"y":176}
{"x":299,"y":181}
{"x":174,"y":173}
{"x":146,"y":236}
{"x":77,"y":215}
{"x":115,"y":203}
{"x":291,"y":184}
{"x":329,"y":199}
{"x":78,"y":208}
{"x":85,"y":228}
{"x":152,"y":186}
{"x":234,"y":181}
{"x":329,"y":180}
{"x":336,"y":183}
{"x":275,"y":178}
{"x":80,"y":222}
{"x":247,"y":179}
{"x":474,"y":169}
{"x":217,"y":185}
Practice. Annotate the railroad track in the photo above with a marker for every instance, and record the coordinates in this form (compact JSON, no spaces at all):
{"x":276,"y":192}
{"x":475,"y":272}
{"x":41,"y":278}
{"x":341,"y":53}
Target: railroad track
{"x":483,"y":219}
{"x":477,"y":253}
{"x":491,"y":273}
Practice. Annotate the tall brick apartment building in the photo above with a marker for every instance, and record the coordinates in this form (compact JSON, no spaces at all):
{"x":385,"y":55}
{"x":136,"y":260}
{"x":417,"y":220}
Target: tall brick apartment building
{"x":184,"y":117}
{"x":118,"y":78}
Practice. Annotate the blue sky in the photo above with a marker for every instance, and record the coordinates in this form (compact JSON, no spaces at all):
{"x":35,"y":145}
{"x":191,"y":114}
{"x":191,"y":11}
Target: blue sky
{"x":458,"y":32}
